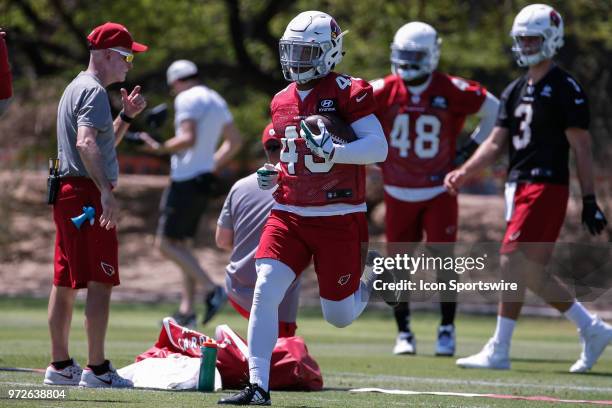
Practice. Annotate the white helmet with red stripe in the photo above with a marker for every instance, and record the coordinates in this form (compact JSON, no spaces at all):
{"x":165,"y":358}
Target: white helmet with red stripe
{"x":415,"y":51}
{"x":537,"y":33}
{"x":310,"y":47}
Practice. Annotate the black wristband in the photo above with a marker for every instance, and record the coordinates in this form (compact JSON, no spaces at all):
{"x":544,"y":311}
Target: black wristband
{"x":125,"y":117}
{"x":589,"y":198}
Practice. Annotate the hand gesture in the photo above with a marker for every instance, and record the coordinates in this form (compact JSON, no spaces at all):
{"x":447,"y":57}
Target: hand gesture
{"x":134,"y":103}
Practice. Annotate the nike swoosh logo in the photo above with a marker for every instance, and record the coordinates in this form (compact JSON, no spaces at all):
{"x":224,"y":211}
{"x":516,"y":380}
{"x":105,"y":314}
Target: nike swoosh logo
{"x":360,"y":98}
{"x":107,"y":382}
{"x":69,"y":377}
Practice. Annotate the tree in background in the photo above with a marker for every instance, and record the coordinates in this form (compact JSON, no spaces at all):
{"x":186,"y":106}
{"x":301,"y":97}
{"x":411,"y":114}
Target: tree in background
{"x":236,"y":45}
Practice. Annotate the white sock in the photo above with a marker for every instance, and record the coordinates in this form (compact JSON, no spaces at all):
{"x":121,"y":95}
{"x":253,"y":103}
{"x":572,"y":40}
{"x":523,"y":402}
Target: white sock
{"x":273,"y":280}
{"x":504,"y":330}
{"x":259,"y":371}
{"x":579,"y":315}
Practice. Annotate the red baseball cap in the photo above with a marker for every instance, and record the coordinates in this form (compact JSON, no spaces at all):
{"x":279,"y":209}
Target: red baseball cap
{"x":109,"y":35}
{"x":268,"y":134}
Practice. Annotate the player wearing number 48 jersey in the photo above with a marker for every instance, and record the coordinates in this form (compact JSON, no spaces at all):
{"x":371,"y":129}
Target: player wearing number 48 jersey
{"x":320,"y":198}
{"x":542,"y":115}
{"x":422,"y":112}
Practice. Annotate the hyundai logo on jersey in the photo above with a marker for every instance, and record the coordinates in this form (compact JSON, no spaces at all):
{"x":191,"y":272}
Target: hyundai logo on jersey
{"x":546,"y":91}
{"x":327,"y":105}
{"x":439,"y":102}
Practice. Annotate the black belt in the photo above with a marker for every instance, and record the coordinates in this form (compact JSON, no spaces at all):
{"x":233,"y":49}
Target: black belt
{"x":538,"y":172}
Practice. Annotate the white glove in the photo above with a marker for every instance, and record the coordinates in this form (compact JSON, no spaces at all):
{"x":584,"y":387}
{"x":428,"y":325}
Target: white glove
{"x":321,"y":144}
{"x":267,"y":176}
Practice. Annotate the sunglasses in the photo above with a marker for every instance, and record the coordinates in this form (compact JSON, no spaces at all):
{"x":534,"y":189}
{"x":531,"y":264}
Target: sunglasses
{"x":127,"y":56}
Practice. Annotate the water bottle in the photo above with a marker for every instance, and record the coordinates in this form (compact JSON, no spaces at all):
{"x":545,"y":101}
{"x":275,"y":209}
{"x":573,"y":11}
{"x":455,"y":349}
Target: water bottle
{"x":208,"y":360}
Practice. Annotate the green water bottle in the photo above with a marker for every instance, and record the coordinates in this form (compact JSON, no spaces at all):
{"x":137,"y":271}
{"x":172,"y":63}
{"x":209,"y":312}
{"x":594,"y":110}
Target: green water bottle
{"x":208,"y":360}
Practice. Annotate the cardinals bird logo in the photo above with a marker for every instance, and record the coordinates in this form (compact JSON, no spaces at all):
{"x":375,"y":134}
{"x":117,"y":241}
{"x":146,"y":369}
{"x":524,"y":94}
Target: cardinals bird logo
{"x":344,"y":279}
{"x":555,"y":19}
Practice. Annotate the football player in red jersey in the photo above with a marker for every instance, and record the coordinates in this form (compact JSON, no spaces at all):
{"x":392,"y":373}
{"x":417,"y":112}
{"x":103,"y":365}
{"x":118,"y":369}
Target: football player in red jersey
{"x":542,"y":115}
{"x":422,"y":111}
{"x":320,"y":198}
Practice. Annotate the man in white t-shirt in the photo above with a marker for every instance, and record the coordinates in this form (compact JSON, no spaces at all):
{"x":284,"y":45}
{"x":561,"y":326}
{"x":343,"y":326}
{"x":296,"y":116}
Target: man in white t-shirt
{"x":201,"y":119}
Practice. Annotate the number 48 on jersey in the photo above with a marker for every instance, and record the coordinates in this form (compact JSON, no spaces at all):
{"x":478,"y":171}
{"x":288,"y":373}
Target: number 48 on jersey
{"x":427,"y":140}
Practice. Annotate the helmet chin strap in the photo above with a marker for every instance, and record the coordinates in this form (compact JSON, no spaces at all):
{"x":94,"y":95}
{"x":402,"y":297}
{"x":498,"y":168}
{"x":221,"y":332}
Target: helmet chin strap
{"x":410,"y":74}
{"x":298,"y":76}
{"x":529,"y":60}
{"x":418,"y":81}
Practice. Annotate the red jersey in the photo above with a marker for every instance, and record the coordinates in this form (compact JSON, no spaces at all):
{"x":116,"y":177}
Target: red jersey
{"x":306,"y":179}
{"x":422,"y":130}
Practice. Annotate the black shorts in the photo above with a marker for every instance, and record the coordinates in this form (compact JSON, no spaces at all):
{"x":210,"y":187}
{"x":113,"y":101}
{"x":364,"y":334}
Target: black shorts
{"x":182,"y":205}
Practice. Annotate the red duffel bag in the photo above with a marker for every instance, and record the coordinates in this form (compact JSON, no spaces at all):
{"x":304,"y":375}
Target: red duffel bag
{"x":292,"y":368}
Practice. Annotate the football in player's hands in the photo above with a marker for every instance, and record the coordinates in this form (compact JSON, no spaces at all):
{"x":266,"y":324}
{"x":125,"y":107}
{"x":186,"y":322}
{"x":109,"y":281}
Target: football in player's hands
{"x":340,"y":131}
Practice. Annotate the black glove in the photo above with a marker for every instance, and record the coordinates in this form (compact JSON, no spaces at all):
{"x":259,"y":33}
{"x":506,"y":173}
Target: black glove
{"x":592,"y":216}
{"x":464,"y":153}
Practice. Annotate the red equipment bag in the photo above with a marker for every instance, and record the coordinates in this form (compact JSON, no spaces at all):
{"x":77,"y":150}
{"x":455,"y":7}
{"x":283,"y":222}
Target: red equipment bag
{"x":292,"y":368}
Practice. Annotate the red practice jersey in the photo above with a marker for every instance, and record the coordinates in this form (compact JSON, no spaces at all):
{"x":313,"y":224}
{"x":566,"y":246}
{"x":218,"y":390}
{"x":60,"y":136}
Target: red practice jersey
{"x":306,"y":179}
{"x":422,"y":130}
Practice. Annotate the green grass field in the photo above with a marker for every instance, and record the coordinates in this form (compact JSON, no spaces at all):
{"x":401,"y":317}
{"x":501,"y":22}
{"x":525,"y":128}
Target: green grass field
{"x":354,"y":357}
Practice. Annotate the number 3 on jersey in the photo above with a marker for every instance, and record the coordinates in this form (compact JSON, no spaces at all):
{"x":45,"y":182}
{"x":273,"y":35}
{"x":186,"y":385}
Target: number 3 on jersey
{"x":427,"y":141}
{"x":524,"y":111}
{"x":290,"y":155}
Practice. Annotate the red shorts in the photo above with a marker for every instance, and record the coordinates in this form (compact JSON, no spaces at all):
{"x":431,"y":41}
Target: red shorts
{"x":335,"y":243}
{"x":539,"y":211}
{"x":406,"y":221}
{"x":87,"y":254}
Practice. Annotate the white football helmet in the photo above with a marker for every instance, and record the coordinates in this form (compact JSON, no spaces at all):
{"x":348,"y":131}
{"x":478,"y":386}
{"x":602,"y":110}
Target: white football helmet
{"x":533,"y":22}
{"x":310,"y":47}
{"x":415,"y":51}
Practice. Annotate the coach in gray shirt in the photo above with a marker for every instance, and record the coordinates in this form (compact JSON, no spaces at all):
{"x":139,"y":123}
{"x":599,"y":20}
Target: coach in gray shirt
{"x":239,"y":228}
{"x":86,"y":254}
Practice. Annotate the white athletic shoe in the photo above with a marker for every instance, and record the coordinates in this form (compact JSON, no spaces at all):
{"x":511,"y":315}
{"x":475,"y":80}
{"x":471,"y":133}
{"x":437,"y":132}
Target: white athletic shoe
{"x":405,"y":343}
{"x":70,"y":375}
{"x":493,"y":355}
{"x":594,"y":340}
{"x":110,"y":379}
{"x":445,"y":346}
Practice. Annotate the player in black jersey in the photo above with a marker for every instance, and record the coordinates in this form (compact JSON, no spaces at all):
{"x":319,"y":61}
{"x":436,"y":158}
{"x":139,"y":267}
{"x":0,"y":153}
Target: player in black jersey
{"x":542,"y":115}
